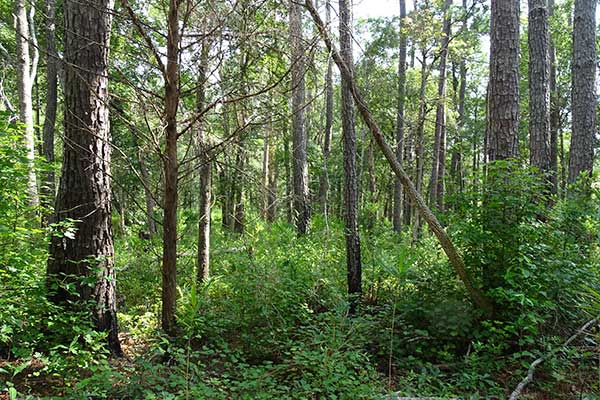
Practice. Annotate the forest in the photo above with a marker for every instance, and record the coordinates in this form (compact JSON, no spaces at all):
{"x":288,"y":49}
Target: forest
{"x":299,"y":199}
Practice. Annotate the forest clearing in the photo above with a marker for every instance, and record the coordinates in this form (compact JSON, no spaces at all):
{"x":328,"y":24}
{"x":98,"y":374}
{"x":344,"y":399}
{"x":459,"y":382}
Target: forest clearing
{"x":299,"y":199}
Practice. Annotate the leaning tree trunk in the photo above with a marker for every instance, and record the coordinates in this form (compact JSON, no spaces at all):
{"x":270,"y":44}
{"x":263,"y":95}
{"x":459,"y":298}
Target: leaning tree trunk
{"x":503,"y":95}
{"x":446,"y":243}
{"x":85,"y":194}
{"x":26,"y":72}
{"x":353,"y":261}
{"x":581,"y":156}
{"x":398,"y":193}
{"x":539,"y":85}
{"x":49,"y":185}
{"x":299,"y":140}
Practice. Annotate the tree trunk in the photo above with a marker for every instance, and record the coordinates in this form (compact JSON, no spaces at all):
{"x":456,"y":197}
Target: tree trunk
{"x":539,"y":85}
{"x":85,"y":194}
{"x":171,"y":166}
{"x":454,"y":257}
{"x":26,"y":71}
{"x":49,"y":186}
{"x":554,"y":112}
{"x":438,"y":167}
{"x":204,"y":174}
{"x":398,"y":193}
{"x":503,"y":99}
{"x":324,"y":182}
{"x":353,"y":261}
{"x":300,"y":161}
{"x":581,"y":156}
{"x":420,"y":145}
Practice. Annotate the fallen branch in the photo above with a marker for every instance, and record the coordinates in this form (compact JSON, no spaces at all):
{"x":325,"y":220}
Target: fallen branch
{"x":454,"y":257}
{"x":529,"y":378}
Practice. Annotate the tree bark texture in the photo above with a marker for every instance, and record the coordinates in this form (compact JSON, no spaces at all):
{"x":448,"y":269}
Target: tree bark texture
{"x":204,"y":174}
{"x":353,"y":261}
{"x":49,"y":186}
{"x":398,"y":193}
{"x":554,"y":111}
{"x":85,"y":189}
{"x":583,"y":91}
{"x":503,"y":98}
{"x":539,"y":85}
{"x":301,"y":201}
{"x":26,"y":72}
{"x":171,"y":167}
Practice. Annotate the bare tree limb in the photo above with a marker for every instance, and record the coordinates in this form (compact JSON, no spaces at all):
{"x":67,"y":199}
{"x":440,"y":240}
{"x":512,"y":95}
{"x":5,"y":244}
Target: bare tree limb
{"x":529,"y":378}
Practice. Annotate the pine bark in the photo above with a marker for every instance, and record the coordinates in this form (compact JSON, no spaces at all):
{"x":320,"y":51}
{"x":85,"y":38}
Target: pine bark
{"x":171,"y":167}
{"x":398,"y":192}
{"x":503,"y":97}
{"x":583,"y":92}
{"x":539,"y":85}
{"x":84,"y":194}
{"x":301,"y":201}
{"x":353,"y":261}
{"x":49,"y":186}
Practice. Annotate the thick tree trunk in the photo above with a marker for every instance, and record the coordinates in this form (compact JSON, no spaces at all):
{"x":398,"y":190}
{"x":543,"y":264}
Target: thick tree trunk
{"x":49,"y":186}
{"x":503,"y":98}
{"x":398,"y":193}
{"x":353,"y":261}
{"x":539,"y":85}
{"x":300,"y":162}
{"x":454,"y":257}
{"x":171,"y":166}
{"x":85,"y":194}
{"x":438,"y":167}
{"x":583,"y":92}
{"x":26,"y":72}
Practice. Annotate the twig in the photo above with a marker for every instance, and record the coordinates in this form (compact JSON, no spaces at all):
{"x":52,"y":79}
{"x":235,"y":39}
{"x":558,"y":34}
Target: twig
{"x":529,"y":378}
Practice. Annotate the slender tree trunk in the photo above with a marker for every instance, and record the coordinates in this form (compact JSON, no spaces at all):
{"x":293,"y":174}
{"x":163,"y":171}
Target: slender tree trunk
{"x":324,"y":182}
{"x":554,"y":112}
{"x":26,"y":72}
{"x":49,"y":186}
{"x":353,"y":261}
{"x":503,"y":99}
{"x":272,"y":181}
{"x":204,"y":174}
{"x":539,"y":85}
{"x":454,"y":257}
{"x":583,"y":93}
{"x":420,"y":145}
{"x":457,"y":170}
{"x":438,"y":167}
{"x":148,"y":196}
{"x":398,"y":193}
{"x":85,"y":194}
{"x":300,"y":161}
{"x":266,"y":170}
{"x":171,"y":166}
